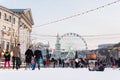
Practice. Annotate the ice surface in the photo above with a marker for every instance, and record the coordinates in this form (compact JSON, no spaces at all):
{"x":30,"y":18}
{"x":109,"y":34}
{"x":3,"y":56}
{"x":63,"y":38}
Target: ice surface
{"x":59,"y":74}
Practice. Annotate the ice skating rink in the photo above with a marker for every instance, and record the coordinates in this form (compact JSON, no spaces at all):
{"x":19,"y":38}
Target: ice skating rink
{"x":59,"y":74}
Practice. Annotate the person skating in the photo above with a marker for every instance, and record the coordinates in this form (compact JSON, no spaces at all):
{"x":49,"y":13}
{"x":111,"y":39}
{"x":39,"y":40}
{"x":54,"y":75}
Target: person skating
{"x":16,"y":56}
{"x":7,"y":59}
{"x":28,"y":57}
{"x":37,"y":56}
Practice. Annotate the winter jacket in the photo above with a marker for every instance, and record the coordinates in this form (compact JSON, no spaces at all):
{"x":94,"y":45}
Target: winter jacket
{"x":16,"y":52}
{"x":38,"y":54}
{"x":29,"y":55}
{"x":7,"y":56}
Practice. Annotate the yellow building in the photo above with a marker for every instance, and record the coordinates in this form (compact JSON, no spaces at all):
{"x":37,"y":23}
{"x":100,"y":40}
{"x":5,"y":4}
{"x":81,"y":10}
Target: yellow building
{"x":15,"y":27}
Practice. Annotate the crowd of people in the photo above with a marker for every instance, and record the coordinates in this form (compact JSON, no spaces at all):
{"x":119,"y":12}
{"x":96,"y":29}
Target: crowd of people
{"x":33,"y":58}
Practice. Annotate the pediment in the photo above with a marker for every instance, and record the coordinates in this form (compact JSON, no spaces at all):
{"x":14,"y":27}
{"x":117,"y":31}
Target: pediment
{"x":28,"y":14}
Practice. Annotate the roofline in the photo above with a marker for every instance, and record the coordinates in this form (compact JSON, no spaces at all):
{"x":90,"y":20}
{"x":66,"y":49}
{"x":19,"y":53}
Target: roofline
{"x":8,"y":10}
{"x":26,"y":19}
{"x":19,"y":16}
{"x":30,"y":15}
{"x":23,"y":13}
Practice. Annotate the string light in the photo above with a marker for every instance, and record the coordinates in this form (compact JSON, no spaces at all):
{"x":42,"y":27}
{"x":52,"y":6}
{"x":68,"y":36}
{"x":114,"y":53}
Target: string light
{"x":105,"y":36}
{"x":76,"y":15}
{"x":102,"y":35}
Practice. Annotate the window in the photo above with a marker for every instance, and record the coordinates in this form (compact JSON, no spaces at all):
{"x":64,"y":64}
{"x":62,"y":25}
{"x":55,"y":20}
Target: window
{"x":5,"y":16}
{"x":11,"y":46}
{"x":7,"y":45}
{"x":10,"y":18}
{"x":14,"y":20}
{"x":0,"y":15}
{"x":9,"y":30}
{"x":13,"y":34}
{"x":4,"y":28}
{"x":3,"y":44}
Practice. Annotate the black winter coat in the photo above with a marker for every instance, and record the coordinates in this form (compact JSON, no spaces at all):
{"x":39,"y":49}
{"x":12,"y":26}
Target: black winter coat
{"x":38,"y":54}
{"x":7,"y":56}
{"x":29,"y":55}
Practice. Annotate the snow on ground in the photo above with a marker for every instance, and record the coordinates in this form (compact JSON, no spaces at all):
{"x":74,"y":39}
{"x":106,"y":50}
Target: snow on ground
{"x":59,"y":74}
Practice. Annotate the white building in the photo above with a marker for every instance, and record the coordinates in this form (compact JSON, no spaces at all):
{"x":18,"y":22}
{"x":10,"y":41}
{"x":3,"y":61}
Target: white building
{"x":15,"y":27}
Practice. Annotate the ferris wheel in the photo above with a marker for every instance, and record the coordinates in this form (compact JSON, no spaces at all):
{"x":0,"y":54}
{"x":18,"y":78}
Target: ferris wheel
{"x":71,"y":42}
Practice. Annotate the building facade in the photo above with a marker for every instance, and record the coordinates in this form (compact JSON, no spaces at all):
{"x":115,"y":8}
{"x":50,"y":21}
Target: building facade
{"x":15,"y":27}
{"x":105,"y":46}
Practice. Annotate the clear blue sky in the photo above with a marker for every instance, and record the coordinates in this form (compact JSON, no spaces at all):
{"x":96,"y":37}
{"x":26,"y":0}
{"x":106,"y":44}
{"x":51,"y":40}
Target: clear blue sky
{"x":103,"y":21}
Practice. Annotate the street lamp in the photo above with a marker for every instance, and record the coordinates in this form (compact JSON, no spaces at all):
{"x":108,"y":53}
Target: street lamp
{"x":15,"y":39}
{"x":21,"y":25}
{"x":3,"y":31}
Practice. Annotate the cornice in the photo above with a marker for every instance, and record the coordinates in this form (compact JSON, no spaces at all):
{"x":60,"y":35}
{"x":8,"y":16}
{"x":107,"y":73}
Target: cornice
{"x":9,"y":11}
{"x":31,"y":19}
{"x":26,"y":19}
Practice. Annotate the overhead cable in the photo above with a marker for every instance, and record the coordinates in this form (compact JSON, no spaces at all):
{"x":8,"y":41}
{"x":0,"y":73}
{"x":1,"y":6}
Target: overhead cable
{"x":76,"y":15}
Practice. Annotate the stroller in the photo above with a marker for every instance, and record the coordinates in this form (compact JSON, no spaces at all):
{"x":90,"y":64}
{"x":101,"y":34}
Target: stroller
{"x":91,"y":65}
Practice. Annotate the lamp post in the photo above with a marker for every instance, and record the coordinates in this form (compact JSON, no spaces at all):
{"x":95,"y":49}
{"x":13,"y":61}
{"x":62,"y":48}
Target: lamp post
{"x":2,"y":37}
{"x":15,"y":39}
{"x":19,"y":25}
